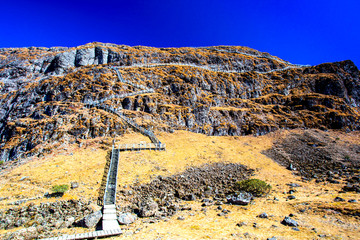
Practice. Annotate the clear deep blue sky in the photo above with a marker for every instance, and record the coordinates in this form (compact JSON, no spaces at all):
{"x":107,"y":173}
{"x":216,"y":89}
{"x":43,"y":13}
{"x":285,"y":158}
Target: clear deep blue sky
{"x":303,"y":32}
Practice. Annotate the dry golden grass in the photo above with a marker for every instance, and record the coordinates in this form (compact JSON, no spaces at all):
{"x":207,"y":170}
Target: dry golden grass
{"x":186,"y":149}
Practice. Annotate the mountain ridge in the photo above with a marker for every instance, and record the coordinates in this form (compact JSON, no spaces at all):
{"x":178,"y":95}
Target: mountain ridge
{"x":222,"y":90}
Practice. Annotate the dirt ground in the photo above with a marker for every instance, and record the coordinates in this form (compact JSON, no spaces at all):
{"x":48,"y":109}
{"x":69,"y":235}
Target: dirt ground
{"x":313,"y":205}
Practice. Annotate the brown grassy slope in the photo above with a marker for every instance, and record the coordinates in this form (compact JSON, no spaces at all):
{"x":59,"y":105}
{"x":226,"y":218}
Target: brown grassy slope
{"x":186,"y":149}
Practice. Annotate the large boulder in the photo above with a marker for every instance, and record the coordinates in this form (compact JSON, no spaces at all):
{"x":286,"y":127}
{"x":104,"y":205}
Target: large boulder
{"x":91,"y":220}
{"x":26,"y":233}
{"x":287,"y":221}
{"x":241,"y":198}
{"x":126,"y":218}
{"x":148,"y":208}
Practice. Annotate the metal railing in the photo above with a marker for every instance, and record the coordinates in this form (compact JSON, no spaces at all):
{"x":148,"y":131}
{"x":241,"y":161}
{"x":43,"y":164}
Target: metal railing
{"x":141,"y":146}
{"x":124,"y":95}
{"x":215,"y":68}
{"x":111,"y":183}
{"x":135,"y":85}
{"x":134,"y":125}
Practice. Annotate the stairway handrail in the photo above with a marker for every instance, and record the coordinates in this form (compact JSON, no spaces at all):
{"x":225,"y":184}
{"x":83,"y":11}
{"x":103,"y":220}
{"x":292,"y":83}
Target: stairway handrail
{"x":206,"y":67}
{"x":108,"y":176}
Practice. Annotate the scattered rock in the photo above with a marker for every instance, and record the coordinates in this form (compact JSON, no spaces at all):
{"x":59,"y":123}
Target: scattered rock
{"x":74,"y":185}
{"x":352,"y":200}
{"x":217,"y":178}
{"x":339,"y":199}
{"x":352,"y":188}
{"x":226,"y":211}
{"x":148,"y":208}
{"x":181,"y":218}
{"x":58,"y":224}
{"x":241,"y":224}
{"x":46,"y":216}
{"x":291,"y":197}
{"x":293,"y":185}
{"x":273,"y":238}
{"x":69,"y":221}
{"x":242,"y":198}
{"x":191,"y":197}
{"x":287,"y":221}
{"x":26,"y":233}
{"x":126,"y":218}
{"x":186,"y":208}
{"x":263,"y":215}
{"x":291,"y":167}
{"x":23,"y":178}
{"x":333,"y":181}
{"x":317,"y":156}
{"x":295,"y":229}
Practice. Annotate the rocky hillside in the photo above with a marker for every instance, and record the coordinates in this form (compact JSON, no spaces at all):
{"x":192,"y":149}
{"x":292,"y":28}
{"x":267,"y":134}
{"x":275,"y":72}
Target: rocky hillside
{"x":213,"y":90}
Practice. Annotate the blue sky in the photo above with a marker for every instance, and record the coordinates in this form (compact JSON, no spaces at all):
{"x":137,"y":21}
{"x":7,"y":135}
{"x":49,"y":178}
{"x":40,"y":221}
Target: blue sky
{"x":303,"y":32}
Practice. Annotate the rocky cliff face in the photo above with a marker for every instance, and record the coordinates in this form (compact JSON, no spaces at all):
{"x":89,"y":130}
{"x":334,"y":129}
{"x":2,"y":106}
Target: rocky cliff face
{"x":212,"y":90}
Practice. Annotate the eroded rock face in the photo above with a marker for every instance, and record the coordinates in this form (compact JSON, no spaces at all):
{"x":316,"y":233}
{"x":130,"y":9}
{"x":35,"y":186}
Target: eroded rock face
{"x":42,"y":90}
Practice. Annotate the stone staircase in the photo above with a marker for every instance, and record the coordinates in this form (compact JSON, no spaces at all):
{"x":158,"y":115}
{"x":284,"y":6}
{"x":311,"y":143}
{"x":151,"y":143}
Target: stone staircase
{"x":109,"y":219}
{"x":110,"y":225}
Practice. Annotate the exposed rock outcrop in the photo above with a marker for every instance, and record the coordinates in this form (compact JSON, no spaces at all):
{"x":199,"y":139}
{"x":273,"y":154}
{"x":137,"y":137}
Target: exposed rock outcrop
{"x":219,"y":91}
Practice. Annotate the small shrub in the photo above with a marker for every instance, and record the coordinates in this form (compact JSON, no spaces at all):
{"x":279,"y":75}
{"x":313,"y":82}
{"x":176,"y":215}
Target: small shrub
{"x":195,"y":227}
{"x":60,"y":189}
{"x":1,"y":162}
{"x":254,"y":186}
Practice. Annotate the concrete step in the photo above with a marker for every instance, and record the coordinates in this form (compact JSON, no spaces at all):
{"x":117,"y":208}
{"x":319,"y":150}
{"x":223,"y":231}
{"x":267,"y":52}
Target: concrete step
{"x":109,"y":211}
{"x":109,"y":217}
{"x":112,"y":225}
{"x":110,"y":206}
